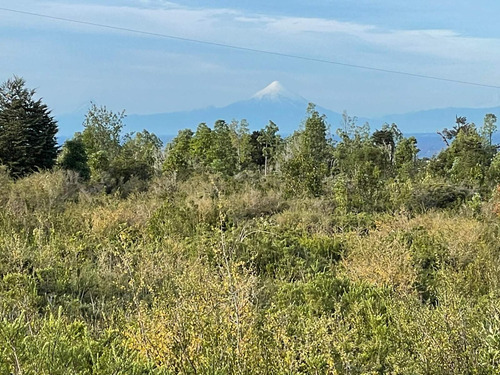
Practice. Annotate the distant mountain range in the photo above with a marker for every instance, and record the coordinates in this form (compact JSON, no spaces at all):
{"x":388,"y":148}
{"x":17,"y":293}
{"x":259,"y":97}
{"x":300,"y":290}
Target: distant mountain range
{"x":288,"y":111}
{"x":274,"y":103}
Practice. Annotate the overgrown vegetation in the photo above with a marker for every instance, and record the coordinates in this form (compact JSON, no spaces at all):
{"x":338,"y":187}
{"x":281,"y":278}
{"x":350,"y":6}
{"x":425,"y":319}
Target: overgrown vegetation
{"x":244,"y":253}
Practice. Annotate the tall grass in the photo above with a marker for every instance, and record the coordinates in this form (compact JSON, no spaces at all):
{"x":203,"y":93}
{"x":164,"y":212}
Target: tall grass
{"x":230,"y":277}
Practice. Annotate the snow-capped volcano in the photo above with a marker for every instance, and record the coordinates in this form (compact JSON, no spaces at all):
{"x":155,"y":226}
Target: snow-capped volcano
{"x":274,"y":102}
{"x":276,"y":92}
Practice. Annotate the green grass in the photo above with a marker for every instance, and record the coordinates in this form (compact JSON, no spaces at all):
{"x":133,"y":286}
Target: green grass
{"x":211,"y":276}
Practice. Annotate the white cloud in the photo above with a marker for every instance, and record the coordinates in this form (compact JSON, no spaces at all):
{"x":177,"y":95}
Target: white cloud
{"x":299,"y":35}
{"x":317,"y":25}
{"x":119,"y":60}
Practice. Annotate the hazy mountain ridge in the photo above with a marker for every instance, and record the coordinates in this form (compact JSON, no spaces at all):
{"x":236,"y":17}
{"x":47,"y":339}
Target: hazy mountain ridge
{"x":274,"y":102}
{"x":288,"y":110}
{"x":430,"y":121}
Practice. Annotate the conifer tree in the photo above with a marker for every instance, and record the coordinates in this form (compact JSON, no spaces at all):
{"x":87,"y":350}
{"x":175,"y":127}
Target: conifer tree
{"x":27,"y":130}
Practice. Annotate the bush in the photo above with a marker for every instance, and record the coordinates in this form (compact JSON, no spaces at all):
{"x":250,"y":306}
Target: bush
{"x":438,"y":196}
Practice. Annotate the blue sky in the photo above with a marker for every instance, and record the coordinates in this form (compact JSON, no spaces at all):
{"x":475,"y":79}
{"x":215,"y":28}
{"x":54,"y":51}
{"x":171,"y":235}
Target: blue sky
{"x":72,"y":64}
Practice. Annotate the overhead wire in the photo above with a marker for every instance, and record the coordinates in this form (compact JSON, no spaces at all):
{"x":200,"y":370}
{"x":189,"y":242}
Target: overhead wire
{"x":249,"y":49}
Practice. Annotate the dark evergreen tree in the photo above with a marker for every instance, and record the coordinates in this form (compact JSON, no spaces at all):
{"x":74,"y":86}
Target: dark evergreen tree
{"x":27,"y":130}
{"x":256,"y":147}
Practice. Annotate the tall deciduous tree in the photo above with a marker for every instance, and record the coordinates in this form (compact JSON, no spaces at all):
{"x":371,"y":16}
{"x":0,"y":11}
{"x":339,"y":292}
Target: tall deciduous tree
{"x":178,"y":158}
{"x":240,"y":138}
{"x":27,"y":130}
{"x":307,"y":165}
{"x":140,"y":156}
{"x":315,"y":143}
{"x":405,"y":157}
{"x":470,"y":158}
{"x":201,"y":145}
{"x":489,"y":127}
{"x":101,"y":138}
{"x":270,"y":141}
{"x":466,"y":160}
{"x":224,"y":155}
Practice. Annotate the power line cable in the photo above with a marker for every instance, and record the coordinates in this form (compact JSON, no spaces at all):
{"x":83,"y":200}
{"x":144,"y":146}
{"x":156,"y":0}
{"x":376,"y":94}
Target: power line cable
{"x":247,"y":49}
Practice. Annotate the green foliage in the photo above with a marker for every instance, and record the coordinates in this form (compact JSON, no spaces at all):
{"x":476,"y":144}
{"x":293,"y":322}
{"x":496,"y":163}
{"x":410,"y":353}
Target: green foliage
{"x":429,"y":195}
{"x":364,"y":167}
{"x":102,"y":138}
{"x":230,"y":277}
{"x":119,"y":162}
{"x":178,"y":155}
{"x":387,"y":138}
{"x":102,"y":131}
{"x":429,"y":257}
{"x":221,"y":150}
{"x":173,"y":221}
{"x":256,"y":150}
{"x":466,"y":160}
{"x":450,"y":134}
{"x":269,"y":142}
{"x":350,"y":130}
{"x":288,"y":256}
{"x":489,"y":127}
{"x":27,"y":131}
{"x":493,"y":174}
{"x":240,"y":138}
{"x":405,"y":158}
{"x":139,"y":157}
{"x":470,"y":159}
{"x":315,"y":143}
{"x":201,"y":144}
{"x":57,"y":346}
{"x":224,"y":156}
{"x":306,"y":166}
{"x":73,"y":157}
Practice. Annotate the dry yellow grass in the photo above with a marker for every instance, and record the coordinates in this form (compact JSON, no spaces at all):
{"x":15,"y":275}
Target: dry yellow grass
{"x":380,"y":258}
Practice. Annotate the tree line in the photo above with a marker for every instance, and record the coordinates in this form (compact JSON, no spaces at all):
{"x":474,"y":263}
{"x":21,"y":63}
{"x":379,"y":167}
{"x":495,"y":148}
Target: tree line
{"x":360,"y":168}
